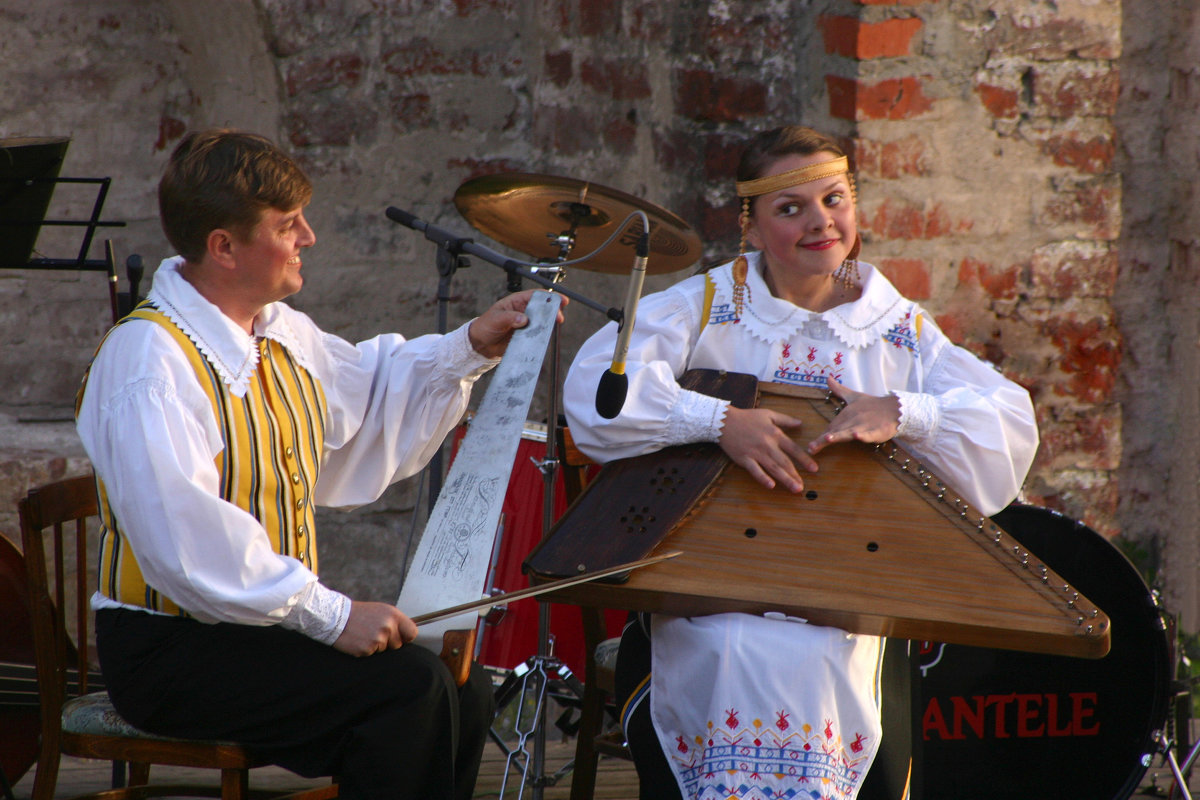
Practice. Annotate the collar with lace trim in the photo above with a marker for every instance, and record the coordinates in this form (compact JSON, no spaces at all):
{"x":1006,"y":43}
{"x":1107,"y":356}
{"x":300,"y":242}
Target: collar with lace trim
{"x":857,"y":324}
{"x":232,"y":352}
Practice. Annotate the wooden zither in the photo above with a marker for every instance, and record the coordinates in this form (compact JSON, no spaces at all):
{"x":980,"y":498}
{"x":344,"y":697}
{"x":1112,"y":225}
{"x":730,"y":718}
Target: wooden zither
{"x":875,"y":544}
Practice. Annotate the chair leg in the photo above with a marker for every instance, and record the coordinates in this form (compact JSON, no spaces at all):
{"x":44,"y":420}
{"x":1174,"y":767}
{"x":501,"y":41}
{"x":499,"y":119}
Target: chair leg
{"x":139,"y":773}
{"x":235,"y":784}
{"x":46,"y":777}
{"x":591,"y":719}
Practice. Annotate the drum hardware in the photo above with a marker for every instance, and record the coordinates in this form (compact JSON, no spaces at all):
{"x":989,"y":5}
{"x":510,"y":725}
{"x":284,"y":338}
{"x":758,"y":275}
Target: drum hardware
{"x":518,"y":210}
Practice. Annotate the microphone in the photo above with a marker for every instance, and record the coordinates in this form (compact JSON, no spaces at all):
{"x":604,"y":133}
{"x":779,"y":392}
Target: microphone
{"x":614,"y":383}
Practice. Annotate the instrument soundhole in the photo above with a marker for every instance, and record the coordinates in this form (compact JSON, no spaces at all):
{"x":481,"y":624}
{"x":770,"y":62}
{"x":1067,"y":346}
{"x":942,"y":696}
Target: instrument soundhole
{"x":872,"y":547}
{"x":751,"y":533}
{"x":810,"y":495}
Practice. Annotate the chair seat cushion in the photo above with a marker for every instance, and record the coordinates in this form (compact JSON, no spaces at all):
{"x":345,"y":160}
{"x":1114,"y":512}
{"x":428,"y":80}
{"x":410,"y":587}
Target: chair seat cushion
{"x":93,"y":714}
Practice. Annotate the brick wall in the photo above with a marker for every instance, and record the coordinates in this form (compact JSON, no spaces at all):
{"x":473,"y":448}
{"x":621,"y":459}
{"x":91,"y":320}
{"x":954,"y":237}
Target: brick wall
{"x":990,"y":139}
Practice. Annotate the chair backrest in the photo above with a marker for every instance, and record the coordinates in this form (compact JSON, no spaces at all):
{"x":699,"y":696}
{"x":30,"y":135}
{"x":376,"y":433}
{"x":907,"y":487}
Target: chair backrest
{"x":59,"y":512}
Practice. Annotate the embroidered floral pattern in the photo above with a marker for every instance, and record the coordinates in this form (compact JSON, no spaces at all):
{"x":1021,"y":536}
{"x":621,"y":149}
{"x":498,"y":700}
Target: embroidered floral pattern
{"x":902,"y":334}
{"x":770,"y":761}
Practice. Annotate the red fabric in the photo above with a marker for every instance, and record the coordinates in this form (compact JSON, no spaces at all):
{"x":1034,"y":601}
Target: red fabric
{"x":514,"y":638}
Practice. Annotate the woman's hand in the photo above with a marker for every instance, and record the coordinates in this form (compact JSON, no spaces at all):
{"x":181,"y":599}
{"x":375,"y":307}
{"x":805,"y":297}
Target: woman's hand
{"x":757,"y":439}
{"x":866,"y":418}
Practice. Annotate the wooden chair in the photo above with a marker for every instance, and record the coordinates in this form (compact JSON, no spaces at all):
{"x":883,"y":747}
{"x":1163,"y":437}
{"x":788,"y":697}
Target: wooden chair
{"x":84,"y":724}
{"x":595,"y":738}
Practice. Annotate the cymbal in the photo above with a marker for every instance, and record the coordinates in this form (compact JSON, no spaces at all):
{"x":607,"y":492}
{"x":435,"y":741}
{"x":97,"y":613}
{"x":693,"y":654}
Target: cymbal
{"x":527,"y":212}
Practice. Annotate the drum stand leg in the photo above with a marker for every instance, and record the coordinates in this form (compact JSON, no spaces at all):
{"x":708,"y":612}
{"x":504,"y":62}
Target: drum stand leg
{"x":1179,"y":787}
{"x":528,"y":684}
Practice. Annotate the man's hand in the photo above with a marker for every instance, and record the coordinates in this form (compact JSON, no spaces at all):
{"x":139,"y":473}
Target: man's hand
{"x":491,"y":331}
{"x":374,"y":627}
{"x":757,"y":439}
{"x":866,"y":418}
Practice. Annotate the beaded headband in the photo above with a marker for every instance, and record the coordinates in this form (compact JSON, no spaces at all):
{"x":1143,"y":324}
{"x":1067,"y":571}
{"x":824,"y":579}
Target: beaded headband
{"x":794,"y":177}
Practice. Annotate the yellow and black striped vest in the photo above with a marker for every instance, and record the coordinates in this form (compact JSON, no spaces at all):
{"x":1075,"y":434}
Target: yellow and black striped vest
{"x":273,"y":441}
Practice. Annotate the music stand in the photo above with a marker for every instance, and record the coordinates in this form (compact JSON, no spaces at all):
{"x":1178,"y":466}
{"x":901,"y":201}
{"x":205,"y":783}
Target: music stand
{"x":29,"y":174}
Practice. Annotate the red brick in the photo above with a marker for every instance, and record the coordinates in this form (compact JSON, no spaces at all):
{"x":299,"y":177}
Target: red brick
{"x":649,"y":21}
{"x":702,"y":95}
{"x":479,"y":167}
{"x":679,"y":150}
{"x":1089,"y":439}
{"x":1094,"y":205}
{"x":623,"y":79}
{"x":599,"y":17}
{"x":1074,"y":269}
{"x":721,"y":156}
{"x":620,"y":134}
{"x":717,"y":224}
{"x":1088,"y":355}
{"x":910,"y":276}
{"x":890,"y":160}
{"x":566,"y":132}
{"x":333,"y":124}
{"x":999,"y":283}
{"x":894,"y":98}
{"x":559,"y":67}
{"x":420,"y":56}
{"x":899,"y":219}
{"x":339,"y":70}
{"x":1001,"y":102}
{"x":1075,"y":90}
{"x":853,"y":38}
{"x":466,"y":8}
{"x":412,"y":111}
{"x":1056,"y":38}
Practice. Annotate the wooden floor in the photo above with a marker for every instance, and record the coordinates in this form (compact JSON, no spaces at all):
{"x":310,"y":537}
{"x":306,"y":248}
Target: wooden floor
{"x":617,"y":780}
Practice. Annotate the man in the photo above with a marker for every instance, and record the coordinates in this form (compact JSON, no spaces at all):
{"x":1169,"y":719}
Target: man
{"x":217,"y":418}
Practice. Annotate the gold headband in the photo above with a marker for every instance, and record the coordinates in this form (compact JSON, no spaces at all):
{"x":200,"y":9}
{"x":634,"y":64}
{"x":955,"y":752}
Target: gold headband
{"x":795,"y":177}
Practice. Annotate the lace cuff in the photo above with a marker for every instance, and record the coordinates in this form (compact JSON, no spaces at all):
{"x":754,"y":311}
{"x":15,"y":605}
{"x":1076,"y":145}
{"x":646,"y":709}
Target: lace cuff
{"x":457,"y":356}
{"x":696,"y":417}
{"x":318,"y":612}
{"x":919,"y":416}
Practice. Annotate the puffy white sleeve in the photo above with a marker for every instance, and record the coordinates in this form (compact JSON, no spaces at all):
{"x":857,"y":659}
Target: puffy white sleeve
{"x":391,"y":403}
{"x":657,"y":412}
{"x":970,"y":424}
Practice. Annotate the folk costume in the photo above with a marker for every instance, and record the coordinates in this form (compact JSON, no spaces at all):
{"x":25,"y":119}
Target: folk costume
{"x":212,"y":448}
{"x":756,"y":707}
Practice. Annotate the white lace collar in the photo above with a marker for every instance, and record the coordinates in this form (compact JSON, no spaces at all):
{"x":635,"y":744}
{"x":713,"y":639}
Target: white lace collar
{"x":232,"y":352}
{"x":857,"y":324}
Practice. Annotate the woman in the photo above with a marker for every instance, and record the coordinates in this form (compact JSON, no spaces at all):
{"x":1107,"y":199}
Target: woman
{"x":800,"y":310}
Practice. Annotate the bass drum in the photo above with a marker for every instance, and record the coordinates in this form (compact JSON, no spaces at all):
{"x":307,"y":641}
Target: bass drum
{"x":1004,"y":724}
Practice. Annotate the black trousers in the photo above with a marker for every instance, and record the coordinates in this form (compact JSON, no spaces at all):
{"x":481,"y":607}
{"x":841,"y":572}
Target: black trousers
{"x":886,"y":780}
{"x":391,"y":725}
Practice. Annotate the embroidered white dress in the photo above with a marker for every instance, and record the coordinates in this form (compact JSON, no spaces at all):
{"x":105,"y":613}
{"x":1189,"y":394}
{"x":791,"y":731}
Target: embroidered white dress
{"x":753,"y":707}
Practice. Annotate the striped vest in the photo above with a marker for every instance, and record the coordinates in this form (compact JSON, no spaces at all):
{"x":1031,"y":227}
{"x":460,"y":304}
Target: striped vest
{"x":273,"y":441}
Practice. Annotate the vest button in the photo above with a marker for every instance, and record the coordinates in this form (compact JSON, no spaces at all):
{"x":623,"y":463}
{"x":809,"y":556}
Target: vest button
{"x":288,"y":451}
{"x":295,"y":477}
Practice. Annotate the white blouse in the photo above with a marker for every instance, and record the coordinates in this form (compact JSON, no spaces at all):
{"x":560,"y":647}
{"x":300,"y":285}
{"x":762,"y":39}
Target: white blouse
{"x":751,"y":706}
{"x":150,"y":433}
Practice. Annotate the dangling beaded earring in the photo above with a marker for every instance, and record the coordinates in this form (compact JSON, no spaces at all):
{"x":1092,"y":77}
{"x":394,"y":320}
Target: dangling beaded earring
{"x":847,"y":274}
{"x":741,"y":267}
